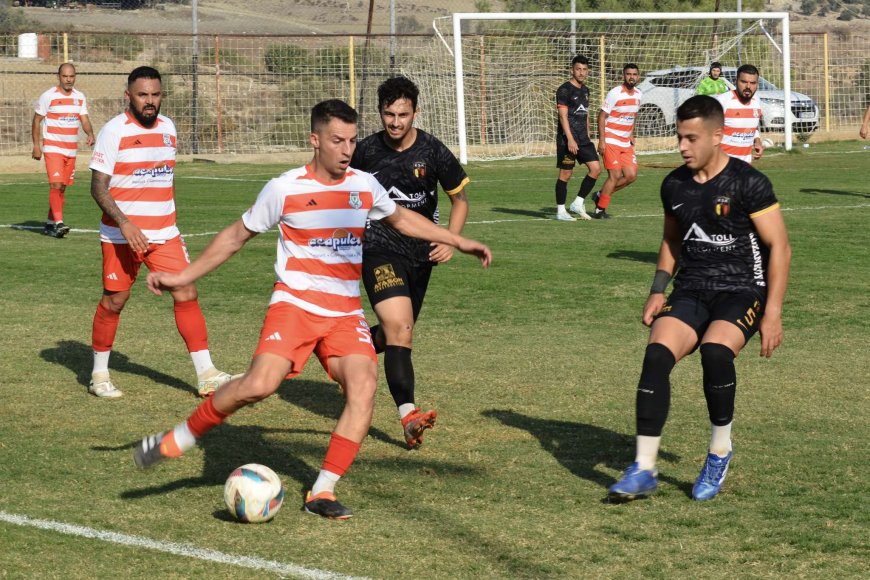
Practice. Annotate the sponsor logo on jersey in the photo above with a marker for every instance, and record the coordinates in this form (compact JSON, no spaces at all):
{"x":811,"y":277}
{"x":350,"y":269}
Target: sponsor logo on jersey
{"x":385,"y":277}
{"x":696,"y":234}
{"x":153,"y":171}
{"x":419,"y":169}
{"x":340,"y":239}
{"x":415,"y":199}
{"x":722,"y":206}
{"x":757,"y":262}
{"x":354,"y":201}
{"x":99,"y":158}
{"x":167,"y":139}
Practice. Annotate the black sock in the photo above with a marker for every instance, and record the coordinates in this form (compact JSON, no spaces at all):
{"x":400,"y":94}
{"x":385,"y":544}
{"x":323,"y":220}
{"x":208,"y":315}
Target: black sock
{"x":561,"y":192}
{"x":586,"y":186}
{"x":654,"y":390}
{"x":720,"y":382}
{"x":399,"y":371}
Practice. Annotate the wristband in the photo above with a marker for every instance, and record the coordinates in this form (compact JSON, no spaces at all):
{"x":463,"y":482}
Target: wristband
{"x":660,"y":282}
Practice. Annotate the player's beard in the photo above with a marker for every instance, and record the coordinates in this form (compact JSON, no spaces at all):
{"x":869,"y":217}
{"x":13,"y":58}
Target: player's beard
{"x":145,"y":121}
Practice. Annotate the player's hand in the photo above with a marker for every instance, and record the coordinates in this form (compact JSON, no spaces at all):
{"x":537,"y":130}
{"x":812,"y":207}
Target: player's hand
{"x":757,"y":149}
{"x":572,"y":146}
{"x":440,"y":253}
{"x":601,"y":148}
{"x":37,"y":153}
{"x":134,"y":236}
{"x":475,"y":248}
{"x":771,"y":333}
{"x":653,"y":306}
{"x":160,"y":281}
{"x":863,"y":132}
{"x":90,"y":141}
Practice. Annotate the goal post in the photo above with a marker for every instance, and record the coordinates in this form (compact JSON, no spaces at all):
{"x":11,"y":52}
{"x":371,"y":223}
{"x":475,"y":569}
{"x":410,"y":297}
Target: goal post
{"x":712,"y":42}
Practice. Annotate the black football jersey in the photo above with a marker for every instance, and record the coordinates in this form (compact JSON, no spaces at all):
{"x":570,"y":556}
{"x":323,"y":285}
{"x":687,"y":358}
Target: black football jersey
{"x":411,"y":177}
{"x":577,"y":101}
{"x":721,"y":249}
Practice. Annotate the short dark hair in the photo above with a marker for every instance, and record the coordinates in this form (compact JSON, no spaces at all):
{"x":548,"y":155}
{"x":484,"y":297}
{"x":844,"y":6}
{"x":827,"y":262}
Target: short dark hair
{"x":69,"y":64}
{"x":395,"y":88}
{"x":579,"y":59}
{"x":748,"y":69}
{"x":143,"y":72}
{"x":325,"y":111}
{"x":715,"y":64}
{"x":630,"y":65}
{"x":701,"y":106}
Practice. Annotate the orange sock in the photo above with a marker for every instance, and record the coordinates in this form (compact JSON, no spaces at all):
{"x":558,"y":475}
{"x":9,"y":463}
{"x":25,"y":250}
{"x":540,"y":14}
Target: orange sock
{"x":55,"y":205}
{"x":104,"y":329}
{"x":168,"y":446}
{"x":191,"y":325}
{"x":205,"y":418}
{"x":604,"y":200}
{"x":340,"y":454}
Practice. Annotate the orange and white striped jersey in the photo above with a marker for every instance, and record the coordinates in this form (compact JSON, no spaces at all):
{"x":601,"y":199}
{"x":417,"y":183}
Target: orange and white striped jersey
{"x":741,"y":125}
{"x":141,"y":162}
{"x":63,"y":118}
{"x":319,"y":262}
{"x":621,"y":108}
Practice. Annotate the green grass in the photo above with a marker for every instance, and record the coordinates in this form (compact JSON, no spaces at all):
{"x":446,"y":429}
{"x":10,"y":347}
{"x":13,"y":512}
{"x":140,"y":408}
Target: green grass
{"x":532,"y":366}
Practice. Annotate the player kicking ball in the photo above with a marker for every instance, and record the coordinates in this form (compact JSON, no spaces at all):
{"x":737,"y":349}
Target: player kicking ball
{"x":724,"y":230}
{"x":321,"y":211}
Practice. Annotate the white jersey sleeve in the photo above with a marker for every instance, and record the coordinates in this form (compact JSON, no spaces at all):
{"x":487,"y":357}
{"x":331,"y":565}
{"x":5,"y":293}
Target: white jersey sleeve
{"x":267,"y":209}
{"x":106,"y":149}
{"x":382,"y":205}
{"x":43,"y":103}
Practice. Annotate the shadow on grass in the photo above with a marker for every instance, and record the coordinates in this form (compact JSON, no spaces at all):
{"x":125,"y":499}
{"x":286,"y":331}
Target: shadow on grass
{"x":79,"y":358}
{"x":582,"y":449}
{"x":547,"y":212}
{"x":635,"y":256}
{"x":815,"y":191}
{"x":31,"y":226}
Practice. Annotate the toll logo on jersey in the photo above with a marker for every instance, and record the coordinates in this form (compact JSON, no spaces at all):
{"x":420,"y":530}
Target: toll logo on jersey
{"x":354,"y":201}
{"x":412,"y":200}
{"x":340,"y":240}
{"x":385,"y":277}
{"x":419,"y":169}
{"x":722,"y":206}
{"x":167,"y":139}
{"x":696,"y":234}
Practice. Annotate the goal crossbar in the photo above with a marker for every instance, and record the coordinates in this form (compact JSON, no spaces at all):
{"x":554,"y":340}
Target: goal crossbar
{"x":459,"y":17}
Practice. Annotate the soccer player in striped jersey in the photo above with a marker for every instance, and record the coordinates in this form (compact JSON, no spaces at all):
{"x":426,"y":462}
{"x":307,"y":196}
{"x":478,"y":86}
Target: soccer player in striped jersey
{"x":726,"y":241}
{"x":321,"y":211}
{"x":616,"y":138}
{"x":59,"y":113}
{"x":742,"y":138}
{"x":132,"y":181}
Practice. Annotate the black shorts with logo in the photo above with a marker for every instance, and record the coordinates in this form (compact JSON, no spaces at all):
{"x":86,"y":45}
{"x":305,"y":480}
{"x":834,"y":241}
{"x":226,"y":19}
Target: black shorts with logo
{"x":586,"y":152}
{"x":698,"y":308}
{"x":387,"y":275}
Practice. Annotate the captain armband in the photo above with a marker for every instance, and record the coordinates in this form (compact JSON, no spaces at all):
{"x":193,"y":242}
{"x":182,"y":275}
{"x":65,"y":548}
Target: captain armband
{"x":660,"y":282}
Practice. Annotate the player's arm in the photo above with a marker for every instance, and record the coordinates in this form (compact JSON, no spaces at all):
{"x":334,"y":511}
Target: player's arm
{"x":602,"y":119}
{"x":865,"y":124}
{"x":771,"y":229}
{"x":412,"y":224}
{"x":221,"y":248}
{"x":100,"y":192}
{"x":458,"y":214}
{"x":566,"y":129}
{"x":88,"y":129}
{"x":35,"y":134}
{"x":757,"y":145}
{"x":666,"y":266}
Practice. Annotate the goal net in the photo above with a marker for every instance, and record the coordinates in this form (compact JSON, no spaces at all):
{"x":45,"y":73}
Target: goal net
{"x":489,"y":80}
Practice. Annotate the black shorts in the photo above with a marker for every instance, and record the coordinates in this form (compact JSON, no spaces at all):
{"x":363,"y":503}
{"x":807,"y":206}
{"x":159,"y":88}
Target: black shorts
{"x":586,"y":152}
{"x":387,"y":275}
{"x":698,"y":308}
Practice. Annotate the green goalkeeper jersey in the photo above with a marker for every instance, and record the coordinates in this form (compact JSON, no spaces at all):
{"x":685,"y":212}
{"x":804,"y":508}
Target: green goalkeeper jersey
{"x":710,"y":86}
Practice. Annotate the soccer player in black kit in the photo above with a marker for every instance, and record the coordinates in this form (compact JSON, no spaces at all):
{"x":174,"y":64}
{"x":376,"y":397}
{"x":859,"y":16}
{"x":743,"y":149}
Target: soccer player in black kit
{"x":573,"y":142}
{"x":410,"y":164}
{"x":725,"y":238}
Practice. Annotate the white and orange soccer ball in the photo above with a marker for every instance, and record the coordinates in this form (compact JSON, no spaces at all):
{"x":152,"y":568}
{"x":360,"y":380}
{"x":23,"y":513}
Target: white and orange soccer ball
{"x":253,"y":493}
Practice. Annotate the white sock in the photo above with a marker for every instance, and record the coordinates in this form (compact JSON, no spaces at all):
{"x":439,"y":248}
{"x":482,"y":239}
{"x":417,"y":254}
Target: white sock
{"x":560,"y":208}
{"x":325,"y":482}
{"x":579,"y":201}
{"x":405,"y":409}
{"x":720,"y":439}
{"x":201,"y":361}
{"x":647,"y":451}
{"x":183,"y":437}
{"x":101,"y":361}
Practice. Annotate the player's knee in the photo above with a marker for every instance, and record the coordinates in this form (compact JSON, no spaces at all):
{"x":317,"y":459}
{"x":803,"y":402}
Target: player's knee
{"x":253,"y":388}
{"x":399,"y":334}
{"x":115,"y":301}
{"x":360,"y":391}
{"x":185,"y":293}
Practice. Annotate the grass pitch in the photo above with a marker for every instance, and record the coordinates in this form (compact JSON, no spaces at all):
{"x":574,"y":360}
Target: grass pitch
{"x":532,"y":366}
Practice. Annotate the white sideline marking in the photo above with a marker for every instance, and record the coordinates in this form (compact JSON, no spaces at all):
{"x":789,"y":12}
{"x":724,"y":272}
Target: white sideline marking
{"x":482,"y":222}
{"x":185,"y":550}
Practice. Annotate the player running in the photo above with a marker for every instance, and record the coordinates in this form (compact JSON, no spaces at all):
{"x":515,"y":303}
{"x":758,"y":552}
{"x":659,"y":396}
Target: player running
{"x":321,"y":210}
{"x":132,"y":181}
{"x":724,"y":230}
{"x":616,"y":138}
{"x":409,"y":163}
{"x":59,"y":113}
{"x":742,"y":138}
{"x":574,"y":141}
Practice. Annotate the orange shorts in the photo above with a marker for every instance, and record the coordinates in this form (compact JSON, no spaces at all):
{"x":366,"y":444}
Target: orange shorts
{"x":60,"y":168}
{"x":121,"y":266}
{"x":294,"y":334}
{"x":618,"y":157}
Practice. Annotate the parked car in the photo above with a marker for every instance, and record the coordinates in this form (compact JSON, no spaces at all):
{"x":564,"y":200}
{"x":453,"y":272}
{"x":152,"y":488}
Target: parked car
{"x":665,"y":90}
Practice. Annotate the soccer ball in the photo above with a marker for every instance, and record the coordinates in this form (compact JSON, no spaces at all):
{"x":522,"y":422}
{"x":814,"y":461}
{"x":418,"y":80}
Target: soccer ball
{"x":253,"y":493}
{"x":766,"y":143}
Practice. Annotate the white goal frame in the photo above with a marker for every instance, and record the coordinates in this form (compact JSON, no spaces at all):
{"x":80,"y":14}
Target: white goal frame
{"x":459,"y":17}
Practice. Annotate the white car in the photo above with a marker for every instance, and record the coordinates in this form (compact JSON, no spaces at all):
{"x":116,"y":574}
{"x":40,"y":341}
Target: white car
{"x":665,"y":90}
